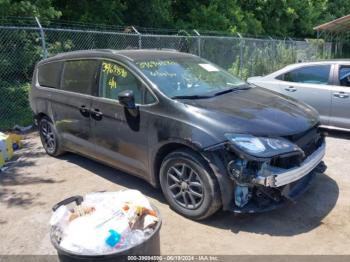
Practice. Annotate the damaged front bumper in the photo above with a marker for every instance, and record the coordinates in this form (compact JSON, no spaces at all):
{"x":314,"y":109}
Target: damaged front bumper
{"x":273,"y":187}
{"x":278,"y":197}
{"x":280,"y":177}
{"x":250,"y":185}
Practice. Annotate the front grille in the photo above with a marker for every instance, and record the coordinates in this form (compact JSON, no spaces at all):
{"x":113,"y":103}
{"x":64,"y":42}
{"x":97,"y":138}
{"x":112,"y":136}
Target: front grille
{"x":286,"y":162}
{"x":309,"y":141}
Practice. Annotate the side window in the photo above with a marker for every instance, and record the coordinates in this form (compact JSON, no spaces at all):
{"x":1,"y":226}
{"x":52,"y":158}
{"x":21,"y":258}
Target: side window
{"x":115,"y":78}
{"x":344,"y":76}
{"x":310,"y":74}
{"x":280,"y":77}
{"x":79,"y":76}
{"x":49,"y":74}
{"x":149,"y":98}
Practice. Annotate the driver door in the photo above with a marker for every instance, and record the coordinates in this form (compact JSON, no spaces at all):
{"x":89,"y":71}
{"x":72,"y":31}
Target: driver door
{"x":121,"y":138}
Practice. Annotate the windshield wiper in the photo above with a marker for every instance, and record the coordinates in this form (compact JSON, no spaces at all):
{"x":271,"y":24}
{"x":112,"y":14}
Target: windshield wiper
{"x":241,"y":87}
{"x":190,"y":97}
{"x":224,"y":91}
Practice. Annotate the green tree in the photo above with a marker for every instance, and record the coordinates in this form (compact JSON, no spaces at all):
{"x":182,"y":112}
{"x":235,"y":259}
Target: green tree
{"x":109,"y":12}
{"x":293,"y":18}
{"x":334,"y":9}
{"x":19,"y":51}
{"x":218,"y":15}
{"x":39,"y":8}
{"x":148,"y":13}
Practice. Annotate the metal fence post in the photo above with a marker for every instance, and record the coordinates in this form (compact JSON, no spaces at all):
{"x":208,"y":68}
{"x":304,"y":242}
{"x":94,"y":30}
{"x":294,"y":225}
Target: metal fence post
{"x":294,"y":47}
{"x":317,"y":44}
{"x":198,"y":41}
{"x":42,"y":36}
{"x":273,"y":53}
{"x":240,"y":53}
{"x":140,"y":36}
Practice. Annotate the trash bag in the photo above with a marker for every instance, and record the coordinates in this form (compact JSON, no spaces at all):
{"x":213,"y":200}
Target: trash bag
{"x":104,"y":222}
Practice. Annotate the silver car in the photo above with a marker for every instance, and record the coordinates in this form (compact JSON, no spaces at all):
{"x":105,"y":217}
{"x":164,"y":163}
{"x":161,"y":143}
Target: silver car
{"x":323,"y":85}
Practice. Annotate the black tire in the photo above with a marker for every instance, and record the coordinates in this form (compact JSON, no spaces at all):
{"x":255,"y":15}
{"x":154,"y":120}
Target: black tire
{"x":49,"y":137}
{"x":194,"y":171}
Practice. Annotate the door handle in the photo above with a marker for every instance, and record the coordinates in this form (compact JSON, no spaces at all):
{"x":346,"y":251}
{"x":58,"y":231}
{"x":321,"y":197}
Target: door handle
{"x":84,"y":111}
{"x":96,"y":114}
{"x":290,"y":89}
{"x":341,"y":95}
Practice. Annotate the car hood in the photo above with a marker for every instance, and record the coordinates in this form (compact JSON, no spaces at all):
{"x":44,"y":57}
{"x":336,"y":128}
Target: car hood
{"x":254,"y":111}
{"x":254,"y":78}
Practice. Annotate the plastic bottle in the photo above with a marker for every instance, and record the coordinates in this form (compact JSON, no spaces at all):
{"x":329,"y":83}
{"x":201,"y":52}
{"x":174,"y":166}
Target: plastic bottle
{"x":60,"y":218}
{"x":61,"y":214}
{"x":135,"y":237}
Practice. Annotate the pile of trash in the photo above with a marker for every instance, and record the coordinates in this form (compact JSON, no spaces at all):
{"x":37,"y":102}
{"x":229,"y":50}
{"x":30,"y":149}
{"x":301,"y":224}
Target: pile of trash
{"x":8,"y":143}
{"x":104,"y":223}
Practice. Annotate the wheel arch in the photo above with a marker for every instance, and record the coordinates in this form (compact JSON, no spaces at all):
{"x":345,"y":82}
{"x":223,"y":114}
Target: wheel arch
{"x":212,"y":159}
{"x":162,"y":151}
{"x":198,"y":156}
{"x":41,"y":115}
{"x":169,"y":147}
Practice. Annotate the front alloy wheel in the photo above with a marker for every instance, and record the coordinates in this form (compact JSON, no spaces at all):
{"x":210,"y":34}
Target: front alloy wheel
{"x":188,"y":184}
{"x":185,"y":186}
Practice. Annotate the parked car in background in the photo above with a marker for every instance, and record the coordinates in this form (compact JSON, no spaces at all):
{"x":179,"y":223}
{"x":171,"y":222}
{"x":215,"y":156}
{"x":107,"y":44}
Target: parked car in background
{"x":324,"y":85}
{"x":207,"y":138}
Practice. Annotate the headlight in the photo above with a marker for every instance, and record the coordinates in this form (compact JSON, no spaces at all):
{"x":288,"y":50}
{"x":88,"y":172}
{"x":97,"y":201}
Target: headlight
{"x":261,"y":146}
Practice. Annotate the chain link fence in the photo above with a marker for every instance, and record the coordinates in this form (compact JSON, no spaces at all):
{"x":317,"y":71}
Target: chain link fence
{"x":28,"y":41}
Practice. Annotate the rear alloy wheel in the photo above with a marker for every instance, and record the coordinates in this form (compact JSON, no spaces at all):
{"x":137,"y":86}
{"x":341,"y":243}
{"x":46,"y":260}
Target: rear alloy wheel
{"x":49,"y":137}
{"x":188,"y":185}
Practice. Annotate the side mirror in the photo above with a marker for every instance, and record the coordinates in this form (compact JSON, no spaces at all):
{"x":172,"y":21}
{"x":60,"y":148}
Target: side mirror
{"x":127,"y":99}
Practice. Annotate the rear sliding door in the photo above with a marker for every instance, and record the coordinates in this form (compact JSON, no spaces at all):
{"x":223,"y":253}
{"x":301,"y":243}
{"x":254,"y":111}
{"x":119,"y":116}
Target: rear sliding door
{"x":72,"y":104}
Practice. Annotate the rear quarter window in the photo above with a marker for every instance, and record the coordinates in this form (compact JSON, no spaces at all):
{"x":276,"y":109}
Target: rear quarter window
{"x":49,"y":74}
{"x":79,"y":76}
{"x":280,"y":77}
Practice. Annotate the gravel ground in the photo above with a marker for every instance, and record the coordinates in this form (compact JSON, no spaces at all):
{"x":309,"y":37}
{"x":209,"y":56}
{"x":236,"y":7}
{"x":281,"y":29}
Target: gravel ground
{"x":318,"y":224}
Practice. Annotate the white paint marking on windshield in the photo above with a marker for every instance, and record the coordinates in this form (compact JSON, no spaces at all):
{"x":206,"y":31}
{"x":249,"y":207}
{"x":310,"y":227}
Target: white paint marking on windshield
{"x":209,"y":67}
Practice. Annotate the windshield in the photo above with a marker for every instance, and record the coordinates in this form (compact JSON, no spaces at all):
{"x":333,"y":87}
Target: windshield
{"x":188,"y":77}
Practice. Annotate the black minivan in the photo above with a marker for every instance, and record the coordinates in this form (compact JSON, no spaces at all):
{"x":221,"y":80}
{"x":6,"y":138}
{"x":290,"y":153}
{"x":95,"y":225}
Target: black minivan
{"x":207,"y":138}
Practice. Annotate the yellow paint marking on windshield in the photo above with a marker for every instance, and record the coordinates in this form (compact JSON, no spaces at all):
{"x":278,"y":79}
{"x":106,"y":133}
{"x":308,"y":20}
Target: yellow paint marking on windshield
{"x":153,"y":64}
{"x":110,"y":68}
{"x":112,"y":83}
{"x":162,"y":74}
